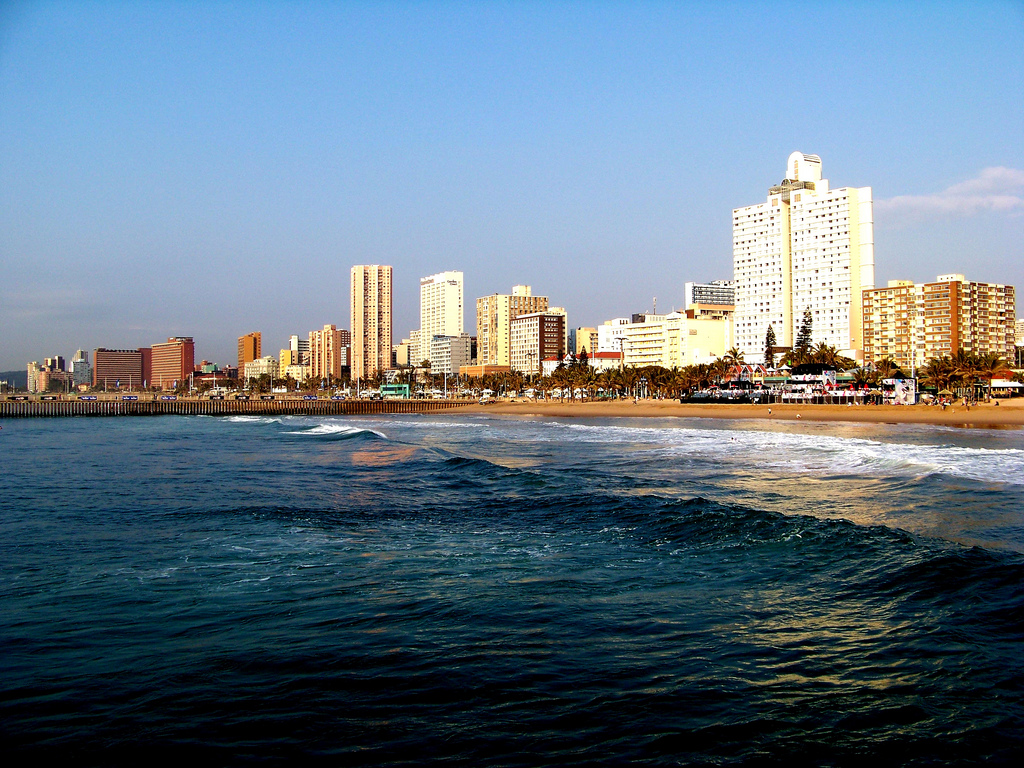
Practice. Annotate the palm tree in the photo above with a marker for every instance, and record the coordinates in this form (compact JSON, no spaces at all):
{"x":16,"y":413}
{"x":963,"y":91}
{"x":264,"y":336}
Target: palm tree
{"x":991,"y":365}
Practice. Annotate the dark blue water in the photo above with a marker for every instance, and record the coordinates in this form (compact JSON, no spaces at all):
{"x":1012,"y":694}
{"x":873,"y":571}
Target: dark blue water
{"x":486,"y":591}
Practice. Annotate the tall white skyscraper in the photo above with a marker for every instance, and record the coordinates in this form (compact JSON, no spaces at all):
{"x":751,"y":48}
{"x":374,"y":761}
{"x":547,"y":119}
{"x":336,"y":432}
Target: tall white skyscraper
{"x":806,"y":247}
{"x":441,"y":310}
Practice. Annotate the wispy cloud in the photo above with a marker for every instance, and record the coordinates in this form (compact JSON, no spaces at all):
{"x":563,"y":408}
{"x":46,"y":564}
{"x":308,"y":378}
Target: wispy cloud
{"x":994,"y":189}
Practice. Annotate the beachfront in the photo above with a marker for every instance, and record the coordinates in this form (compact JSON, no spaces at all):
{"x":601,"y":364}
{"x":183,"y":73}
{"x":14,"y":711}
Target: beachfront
{"x":1005,"y":413}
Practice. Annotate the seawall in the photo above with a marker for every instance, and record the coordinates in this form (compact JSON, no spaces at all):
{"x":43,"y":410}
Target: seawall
{"x":226,"y":407}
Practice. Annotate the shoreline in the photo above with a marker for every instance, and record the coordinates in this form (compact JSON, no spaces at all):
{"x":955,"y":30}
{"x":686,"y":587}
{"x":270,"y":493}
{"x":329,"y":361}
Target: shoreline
{"x":1006,"y":414}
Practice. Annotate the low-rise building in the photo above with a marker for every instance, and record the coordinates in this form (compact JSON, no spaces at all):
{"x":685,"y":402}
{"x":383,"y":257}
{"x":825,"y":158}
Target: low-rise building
{"x":262,"y":366}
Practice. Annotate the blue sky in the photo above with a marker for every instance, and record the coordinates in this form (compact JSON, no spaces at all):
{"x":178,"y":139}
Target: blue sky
{"x":209,"y":169}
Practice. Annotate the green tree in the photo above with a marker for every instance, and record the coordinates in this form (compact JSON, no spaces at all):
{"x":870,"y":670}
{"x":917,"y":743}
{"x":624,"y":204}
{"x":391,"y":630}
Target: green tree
{"x":769,"y":348}
{"x":803,"y":337}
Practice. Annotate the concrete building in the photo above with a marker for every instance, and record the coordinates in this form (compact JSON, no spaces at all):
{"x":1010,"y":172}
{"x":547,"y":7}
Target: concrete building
{"x":298,"y":349}
{"x":716,"y":293}
{"x":913,"y":322}
{"x":449,"y":353}
{"x":172,"y":362}
{"x":117,"y":368}
{"x":494,"y":316}
{"x":250,"y":347}
{"x":806,"y":247}
{"x":328,"y":352}
{"x":610,"y":333}
{"x":565,"y":323}
{"x":262,"y":366}
{"x":371,"y":320}
{"x":441,"y":310}
{"x":81,"y":371}
{"x":535,"y":337}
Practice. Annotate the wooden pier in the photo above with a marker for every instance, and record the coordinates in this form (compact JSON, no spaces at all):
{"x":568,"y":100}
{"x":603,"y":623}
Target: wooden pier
{"x":11,"y":408}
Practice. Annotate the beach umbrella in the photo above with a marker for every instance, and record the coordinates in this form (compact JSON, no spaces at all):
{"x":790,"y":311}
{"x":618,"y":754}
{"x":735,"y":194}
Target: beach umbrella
{"x":945,"y":392}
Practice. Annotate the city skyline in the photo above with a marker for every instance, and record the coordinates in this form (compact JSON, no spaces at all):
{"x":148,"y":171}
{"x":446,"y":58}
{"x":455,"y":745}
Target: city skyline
{"x":206,"y":172}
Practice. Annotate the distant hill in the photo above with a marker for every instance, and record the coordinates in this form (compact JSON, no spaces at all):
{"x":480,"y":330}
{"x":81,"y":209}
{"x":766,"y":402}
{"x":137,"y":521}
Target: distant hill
{"x":17,"y":379}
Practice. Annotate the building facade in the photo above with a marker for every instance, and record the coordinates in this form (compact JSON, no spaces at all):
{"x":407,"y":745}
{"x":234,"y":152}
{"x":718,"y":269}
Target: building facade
{"x":806,"y":247}
{"x":911,"y":323}
{"x":172,"y":362}
{"x":371,"y":320}
{"x":250,"y":347}
{"x":441,"y":310}
{"x":494,"y":316}
{"x":449,"y":353}
{"x":536,"y":337}
{"x":675,"y":340}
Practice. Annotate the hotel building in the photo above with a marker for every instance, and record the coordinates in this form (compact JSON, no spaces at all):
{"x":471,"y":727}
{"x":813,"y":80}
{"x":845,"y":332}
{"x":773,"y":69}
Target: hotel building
{"x":494,"y":316}
{"x":806,"y":247}
{"x":371,"y":320}
{"x":115,"y":368}
{"x":913,"y":322}
{"x":441,"y":310}
{"x":172,"y":362}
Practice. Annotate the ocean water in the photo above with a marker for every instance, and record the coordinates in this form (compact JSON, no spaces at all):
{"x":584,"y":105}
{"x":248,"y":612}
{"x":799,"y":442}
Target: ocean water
{"x":483,"y":590}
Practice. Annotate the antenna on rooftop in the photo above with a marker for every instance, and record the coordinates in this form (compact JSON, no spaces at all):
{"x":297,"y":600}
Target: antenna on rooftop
{"x":655,"y":305}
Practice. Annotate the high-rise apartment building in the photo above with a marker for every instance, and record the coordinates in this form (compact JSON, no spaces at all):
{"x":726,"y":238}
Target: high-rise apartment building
{"x":441,"y":310}
{"x":534,"y":338}
{"x":912,"y":323}
{"x":81,"y":371}
{"x":250,"y":347}
{"x":806,"y":247}
{"x":371,"y":320}
{"x":328,"y":352}
{"x":494,"y":316}
{"x":172,"y":362}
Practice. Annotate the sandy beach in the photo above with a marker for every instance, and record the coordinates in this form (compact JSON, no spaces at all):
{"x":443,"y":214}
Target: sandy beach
{"x":1007,"y":413}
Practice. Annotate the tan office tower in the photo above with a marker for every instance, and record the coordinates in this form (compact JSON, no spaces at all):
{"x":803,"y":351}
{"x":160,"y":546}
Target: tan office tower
{"x":250,"y":347}
{"x":371,"y":320}
{"x":494,"y":316}
{"x":806,"y":247}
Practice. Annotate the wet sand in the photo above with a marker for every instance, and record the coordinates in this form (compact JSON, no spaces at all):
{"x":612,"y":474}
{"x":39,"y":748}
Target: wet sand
{"x":1007,"y":413}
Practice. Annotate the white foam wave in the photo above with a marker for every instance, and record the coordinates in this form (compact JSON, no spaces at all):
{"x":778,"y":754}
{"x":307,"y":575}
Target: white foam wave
{"x":820,"y":454}
{"x":335,"y":429}
{"x":253,"y":419}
